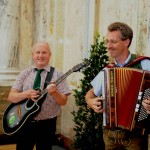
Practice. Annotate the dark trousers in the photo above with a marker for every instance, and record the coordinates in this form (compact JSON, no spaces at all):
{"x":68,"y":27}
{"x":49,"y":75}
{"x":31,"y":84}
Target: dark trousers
{"x":39,"y":133}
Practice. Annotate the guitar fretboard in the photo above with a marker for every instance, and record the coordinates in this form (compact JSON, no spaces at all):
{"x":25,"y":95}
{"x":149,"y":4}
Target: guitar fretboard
{"x":63,"y":77}
{"x":43,"y":92}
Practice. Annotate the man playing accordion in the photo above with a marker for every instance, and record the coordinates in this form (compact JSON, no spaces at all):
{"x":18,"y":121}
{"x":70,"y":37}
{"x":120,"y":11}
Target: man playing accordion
{"x":118,"y":41}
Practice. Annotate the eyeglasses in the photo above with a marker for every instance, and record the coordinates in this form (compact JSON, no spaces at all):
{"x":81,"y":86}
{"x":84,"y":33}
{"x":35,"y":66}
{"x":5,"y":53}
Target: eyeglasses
{"x":112,"y":41}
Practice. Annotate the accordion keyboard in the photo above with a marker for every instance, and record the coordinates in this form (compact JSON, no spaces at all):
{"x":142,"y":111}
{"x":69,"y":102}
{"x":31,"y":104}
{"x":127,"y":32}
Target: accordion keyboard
{"x":142,"y":112}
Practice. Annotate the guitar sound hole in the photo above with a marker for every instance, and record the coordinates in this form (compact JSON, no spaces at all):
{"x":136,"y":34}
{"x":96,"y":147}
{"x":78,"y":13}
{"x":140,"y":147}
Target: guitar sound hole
{"x":37,"y":89}
{"x":29,"y":103}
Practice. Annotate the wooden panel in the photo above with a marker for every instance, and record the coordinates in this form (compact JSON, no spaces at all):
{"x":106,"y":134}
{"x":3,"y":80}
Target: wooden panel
{"x":9,"y":147}
{"x":4,"y":91}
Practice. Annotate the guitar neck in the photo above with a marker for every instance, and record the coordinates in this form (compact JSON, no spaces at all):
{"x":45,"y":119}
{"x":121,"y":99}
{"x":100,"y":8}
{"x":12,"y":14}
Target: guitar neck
{"x":74,"y":69}
{"x":58,"y":81}
{"x":63,"y":77}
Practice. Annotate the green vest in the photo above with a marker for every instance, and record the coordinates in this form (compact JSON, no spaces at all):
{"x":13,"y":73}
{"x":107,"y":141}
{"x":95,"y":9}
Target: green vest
{"x":136,"y":65}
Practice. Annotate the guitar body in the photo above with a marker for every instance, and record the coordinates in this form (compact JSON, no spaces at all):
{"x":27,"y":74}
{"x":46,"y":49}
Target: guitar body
{"x":17,"y":114}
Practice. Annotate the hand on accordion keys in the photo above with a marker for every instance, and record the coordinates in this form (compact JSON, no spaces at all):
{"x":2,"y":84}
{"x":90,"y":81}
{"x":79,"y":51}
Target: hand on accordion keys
{"x":96,"y":104}
{"x":146,"y":104}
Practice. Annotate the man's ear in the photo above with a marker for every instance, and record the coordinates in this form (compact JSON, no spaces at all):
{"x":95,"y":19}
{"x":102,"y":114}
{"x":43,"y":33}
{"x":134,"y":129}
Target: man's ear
{"x":127,"y":41}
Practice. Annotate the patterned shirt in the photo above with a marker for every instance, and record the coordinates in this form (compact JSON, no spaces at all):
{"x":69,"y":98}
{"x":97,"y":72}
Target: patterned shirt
{"x":49,"y":108}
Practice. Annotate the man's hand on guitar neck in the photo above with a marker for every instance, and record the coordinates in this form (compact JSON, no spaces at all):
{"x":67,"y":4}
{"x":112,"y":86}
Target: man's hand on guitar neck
{"x":60,"y":98}
{"x":51,"y":88}
{"x":146,"y":104}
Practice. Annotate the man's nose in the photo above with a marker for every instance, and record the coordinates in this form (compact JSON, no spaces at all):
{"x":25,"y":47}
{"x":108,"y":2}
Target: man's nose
{"x":108,"y":45}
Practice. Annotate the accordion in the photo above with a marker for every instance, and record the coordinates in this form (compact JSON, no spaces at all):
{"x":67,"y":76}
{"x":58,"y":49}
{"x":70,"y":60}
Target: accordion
{"x":123,"y":91}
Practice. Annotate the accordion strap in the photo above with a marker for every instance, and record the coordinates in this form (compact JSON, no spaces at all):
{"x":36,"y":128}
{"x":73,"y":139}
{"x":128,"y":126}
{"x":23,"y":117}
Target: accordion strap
{"x":138,"y":59}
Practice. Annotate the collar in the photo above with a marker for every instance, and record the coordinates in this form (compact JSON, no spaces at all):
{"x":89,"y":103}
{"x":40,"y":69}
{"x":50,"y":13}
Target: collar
{"x":126,"y":62}
{"x":47,"y":68}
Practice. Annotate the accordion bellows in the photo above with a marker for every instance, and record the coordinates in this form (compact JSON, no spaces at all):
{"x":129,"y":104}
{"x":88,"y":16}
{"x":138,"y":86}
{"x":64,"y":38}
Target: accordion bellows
{"x":123,"y":91}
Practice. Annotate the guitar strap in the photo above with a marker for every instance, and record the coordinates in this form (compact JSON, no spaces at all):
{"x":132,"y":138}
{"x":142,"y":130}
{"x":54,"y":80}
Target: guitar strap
{"x":49,"y":77}
{"x":47,"y":81}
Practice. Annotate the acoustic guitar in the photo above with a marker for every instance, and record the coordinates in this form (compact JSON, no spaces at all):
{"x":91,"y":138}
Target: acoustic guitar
{"x":16,"y":114}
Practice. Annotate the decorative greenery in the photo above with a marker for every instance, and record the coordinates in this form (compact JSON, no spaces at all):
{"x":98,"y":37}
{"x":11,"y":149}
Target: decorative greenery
{"x":88,"y":124}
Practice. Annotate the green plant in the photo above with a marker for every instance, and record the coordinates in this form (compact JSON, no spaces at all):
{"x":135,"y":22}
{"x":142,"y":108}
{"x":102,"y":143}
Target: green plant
{"x":88,"y":124}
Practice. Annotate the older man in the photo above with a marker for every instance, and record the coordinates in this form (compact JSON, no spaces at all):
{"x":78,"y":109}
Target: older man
{"x":40,"y":130}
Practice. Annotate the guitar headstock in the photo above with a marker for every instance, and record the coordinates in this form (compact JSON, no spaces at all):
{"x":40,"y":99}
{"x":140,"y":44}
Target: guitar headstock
{"x":80,"y":66}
